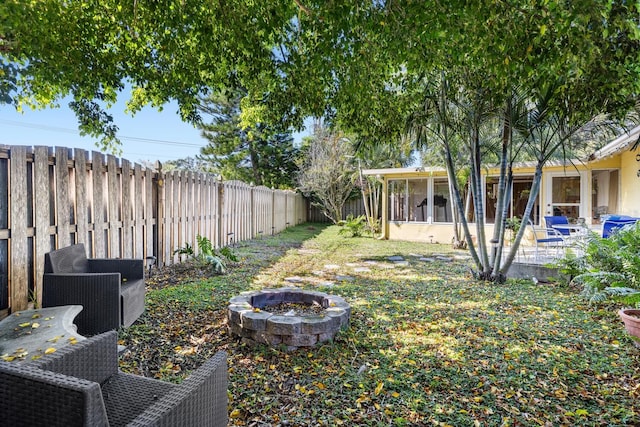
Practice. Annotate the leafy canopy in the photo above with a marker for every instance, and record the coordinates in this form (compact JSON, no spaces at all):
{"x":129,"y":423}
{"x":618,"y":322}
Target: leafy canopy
{"x":358,"y":63}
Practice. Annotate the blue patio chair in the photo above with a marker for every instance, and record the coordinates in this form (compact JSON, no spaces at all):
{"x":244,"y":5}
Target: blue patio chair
{"x":551,"y":221}
{"x":615,"y":222}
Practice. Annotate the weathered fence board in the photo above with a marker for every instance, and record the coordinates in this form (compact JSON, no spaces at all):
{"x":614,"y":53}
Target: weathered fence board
{"x":53,"y":197}
{"x":82,"y":180}
{"x":138,"y":213}
{"x":98,"y":210}
{"x":127,"y":211}
{"x":353,"y":207}
{"x":18,"y":279}
{"x":42,"y":212}
{"x":112,"y":202}
{"x":63,"y":219}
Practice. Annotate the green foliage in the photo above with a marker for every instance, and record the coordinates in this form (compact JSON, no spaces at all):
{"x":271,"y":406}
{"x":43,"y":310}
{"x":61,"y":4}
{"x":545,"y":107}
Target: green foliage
{"x":258,"y":153}
{"x":610,"y":267}
{"x":513,"y":223}
{"x":353,"y":226}
{"x":207,"y":254}
{"x":229,"y":254}
{"x":571,"y":265}
{"x":357,"y":64}
{"x":187,"y":249}
{"x":374,"y":225}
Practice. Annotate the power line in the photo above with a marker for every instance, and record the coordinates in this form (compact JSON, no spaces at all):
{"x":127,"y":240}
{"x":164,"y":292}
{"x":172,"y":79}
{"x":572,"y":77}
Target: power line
{"x":72,"y":131}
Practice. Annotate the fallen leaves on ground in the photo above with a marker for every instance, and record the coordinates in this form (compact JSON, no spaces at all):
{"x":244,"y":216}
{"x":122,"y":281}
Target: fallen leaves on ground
{"x":427,"y":345}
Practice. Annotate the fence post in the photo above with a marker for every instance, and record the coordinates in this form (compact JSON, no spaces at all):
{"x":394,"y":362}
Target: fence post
{"x":125,"y":212}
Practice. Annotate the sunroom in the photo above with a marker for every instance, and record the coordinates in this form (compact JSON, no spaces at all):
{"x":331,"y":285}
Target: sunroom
{"x":417,"y":206}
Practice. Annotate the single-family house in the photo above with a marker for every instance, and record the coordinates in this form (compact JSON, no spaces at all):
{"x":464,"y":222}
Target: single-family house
{"x":416,"y":204}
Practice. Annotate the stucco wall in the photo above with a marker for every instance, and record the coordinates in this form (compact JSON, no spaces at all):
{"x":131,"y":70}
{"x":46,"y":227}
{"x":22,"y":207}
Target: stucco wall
{"x":630,"y":183}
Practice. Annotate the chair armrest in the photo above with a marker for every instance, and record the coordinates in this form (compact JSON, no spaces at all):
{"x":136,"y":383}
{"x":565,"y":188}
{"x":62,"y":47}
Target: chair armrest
{"x":34,"y":397}
{"x":552,"y":232}
{"x":94,"y":359}
{"x":130,"y":269}
{"x":199,"y":400}
{"x":98,"y":293}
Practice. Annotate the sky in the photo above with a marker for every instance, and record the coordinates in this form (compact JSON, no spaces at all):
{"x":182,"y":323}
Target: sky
{"x":148,"y":136}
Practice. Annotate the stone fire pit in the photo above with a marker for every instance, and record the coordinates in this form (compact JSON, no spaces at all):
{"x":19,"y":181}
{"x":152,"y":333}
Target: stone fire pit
{"x":287,"y":316}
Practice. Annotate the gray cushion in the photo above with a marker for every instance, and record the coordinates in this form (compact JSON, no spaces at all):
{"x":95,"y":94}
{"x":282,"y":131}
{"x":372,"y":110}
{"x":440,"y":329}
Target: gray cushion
{"x":72,"y":259}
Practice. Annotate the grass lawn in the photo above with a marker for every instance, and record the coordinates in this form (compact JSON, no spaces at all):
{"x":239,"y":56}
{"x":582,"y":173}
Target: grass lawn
{"x":427,"y":345}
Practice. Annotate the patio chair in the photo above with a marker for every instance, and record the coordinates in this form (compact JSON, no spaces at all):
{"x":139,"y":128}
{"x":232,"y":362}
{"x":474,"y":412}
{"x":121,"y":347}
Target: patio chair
{"x":614,"y":222}
{"x":546,"y":238}
{"x":551,"y":221}
{"x":80,"y":385}
{"x":110,"y":290}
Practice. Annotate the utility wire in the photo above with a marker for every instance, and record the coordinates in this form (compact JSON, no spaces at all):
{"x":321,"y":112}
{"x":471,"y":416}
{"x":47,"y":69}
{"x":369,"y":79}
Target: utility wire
{"x":72,"y":131}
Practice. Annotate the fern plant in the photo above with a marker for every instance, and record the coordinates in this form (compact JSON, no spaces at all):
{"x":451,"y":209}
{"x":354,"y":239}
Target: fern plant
{"x":355,"y":226}
{"x":610,"y":268}
{"x":207,"y":255}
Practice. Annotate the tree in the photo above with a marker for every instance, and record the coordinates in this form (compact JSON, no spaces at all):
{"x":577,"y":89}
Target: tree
{"x":326,"y":173}
{"x":256,"y":153}
{"x":192,"y":164}
{"x":358,"y":63}
{"x":163,"y":49}
{"x":568,"y":63}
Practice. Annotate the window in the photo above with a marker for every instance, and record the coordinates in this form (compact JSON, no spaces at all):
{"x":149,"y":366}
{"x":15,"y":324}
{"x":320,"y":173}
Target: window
{"x":565,"y":196}
{"x":397,"y":200}
{"x":520,"y":190}
{"x":418,"y":201}
{"x":411,"y":201}
{"x":604,"y":193}
{"x":441,"y":202}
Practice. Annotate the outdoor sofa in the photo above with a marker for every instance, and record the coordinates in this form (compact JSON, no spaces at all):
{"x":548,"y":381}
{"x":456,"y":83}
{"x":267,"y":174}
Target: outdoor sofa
{"x":80,"y":385}
{"x":111,"y":291}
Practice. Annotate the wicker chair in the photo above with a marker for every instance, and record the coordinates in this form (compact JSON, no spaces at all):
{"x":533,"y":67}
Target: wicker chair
{"x":110,"y":290}
{"x":80,"y":385}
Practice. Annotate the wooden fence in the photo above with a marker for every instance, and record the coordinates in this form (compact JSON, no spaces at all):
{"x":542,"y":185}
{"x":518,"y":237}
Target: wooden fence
{"x":353,"y":207}
{"x":54,"y":197}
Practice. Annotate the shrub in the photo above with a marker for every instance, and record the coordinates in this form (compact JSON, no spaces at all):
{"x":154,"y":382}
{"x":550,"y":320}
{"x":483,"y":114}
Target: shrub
{"x":610,"y":267}
{"x":353,"y":225}
{"x":207,"y":255}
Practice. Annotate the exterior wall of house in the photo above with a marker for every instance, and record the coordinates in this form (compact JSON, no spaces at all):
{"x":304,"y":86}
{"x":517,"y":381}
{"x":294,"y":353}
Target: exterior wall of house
{"x":420,"y":232}
{"x":630,"y":183}
{"x":624,"y":181}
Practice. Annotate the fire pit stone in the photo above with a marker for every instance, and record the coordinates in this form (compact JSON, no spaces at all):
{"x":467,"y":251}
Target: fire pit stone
{"x":312,"y":317}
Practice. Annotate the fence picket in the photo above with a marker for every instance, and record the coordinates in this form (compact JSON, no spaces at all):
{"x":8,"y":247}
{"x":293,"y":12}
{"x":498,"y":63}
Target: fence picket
{"x":62,"y":196}
{"x":18,"y":280}
{"x":127,"y":220}
{"x":42,"y":237}
{"x":99,"y":222}
{"x":113,"y":205}
{"x":82,"y":215}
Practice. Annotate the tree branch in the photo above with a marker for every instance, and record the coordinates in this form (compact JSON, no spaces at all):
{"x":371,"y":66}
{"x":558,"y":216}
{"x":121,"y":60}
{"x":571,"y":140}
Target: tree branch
{"x":302,"y":7}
